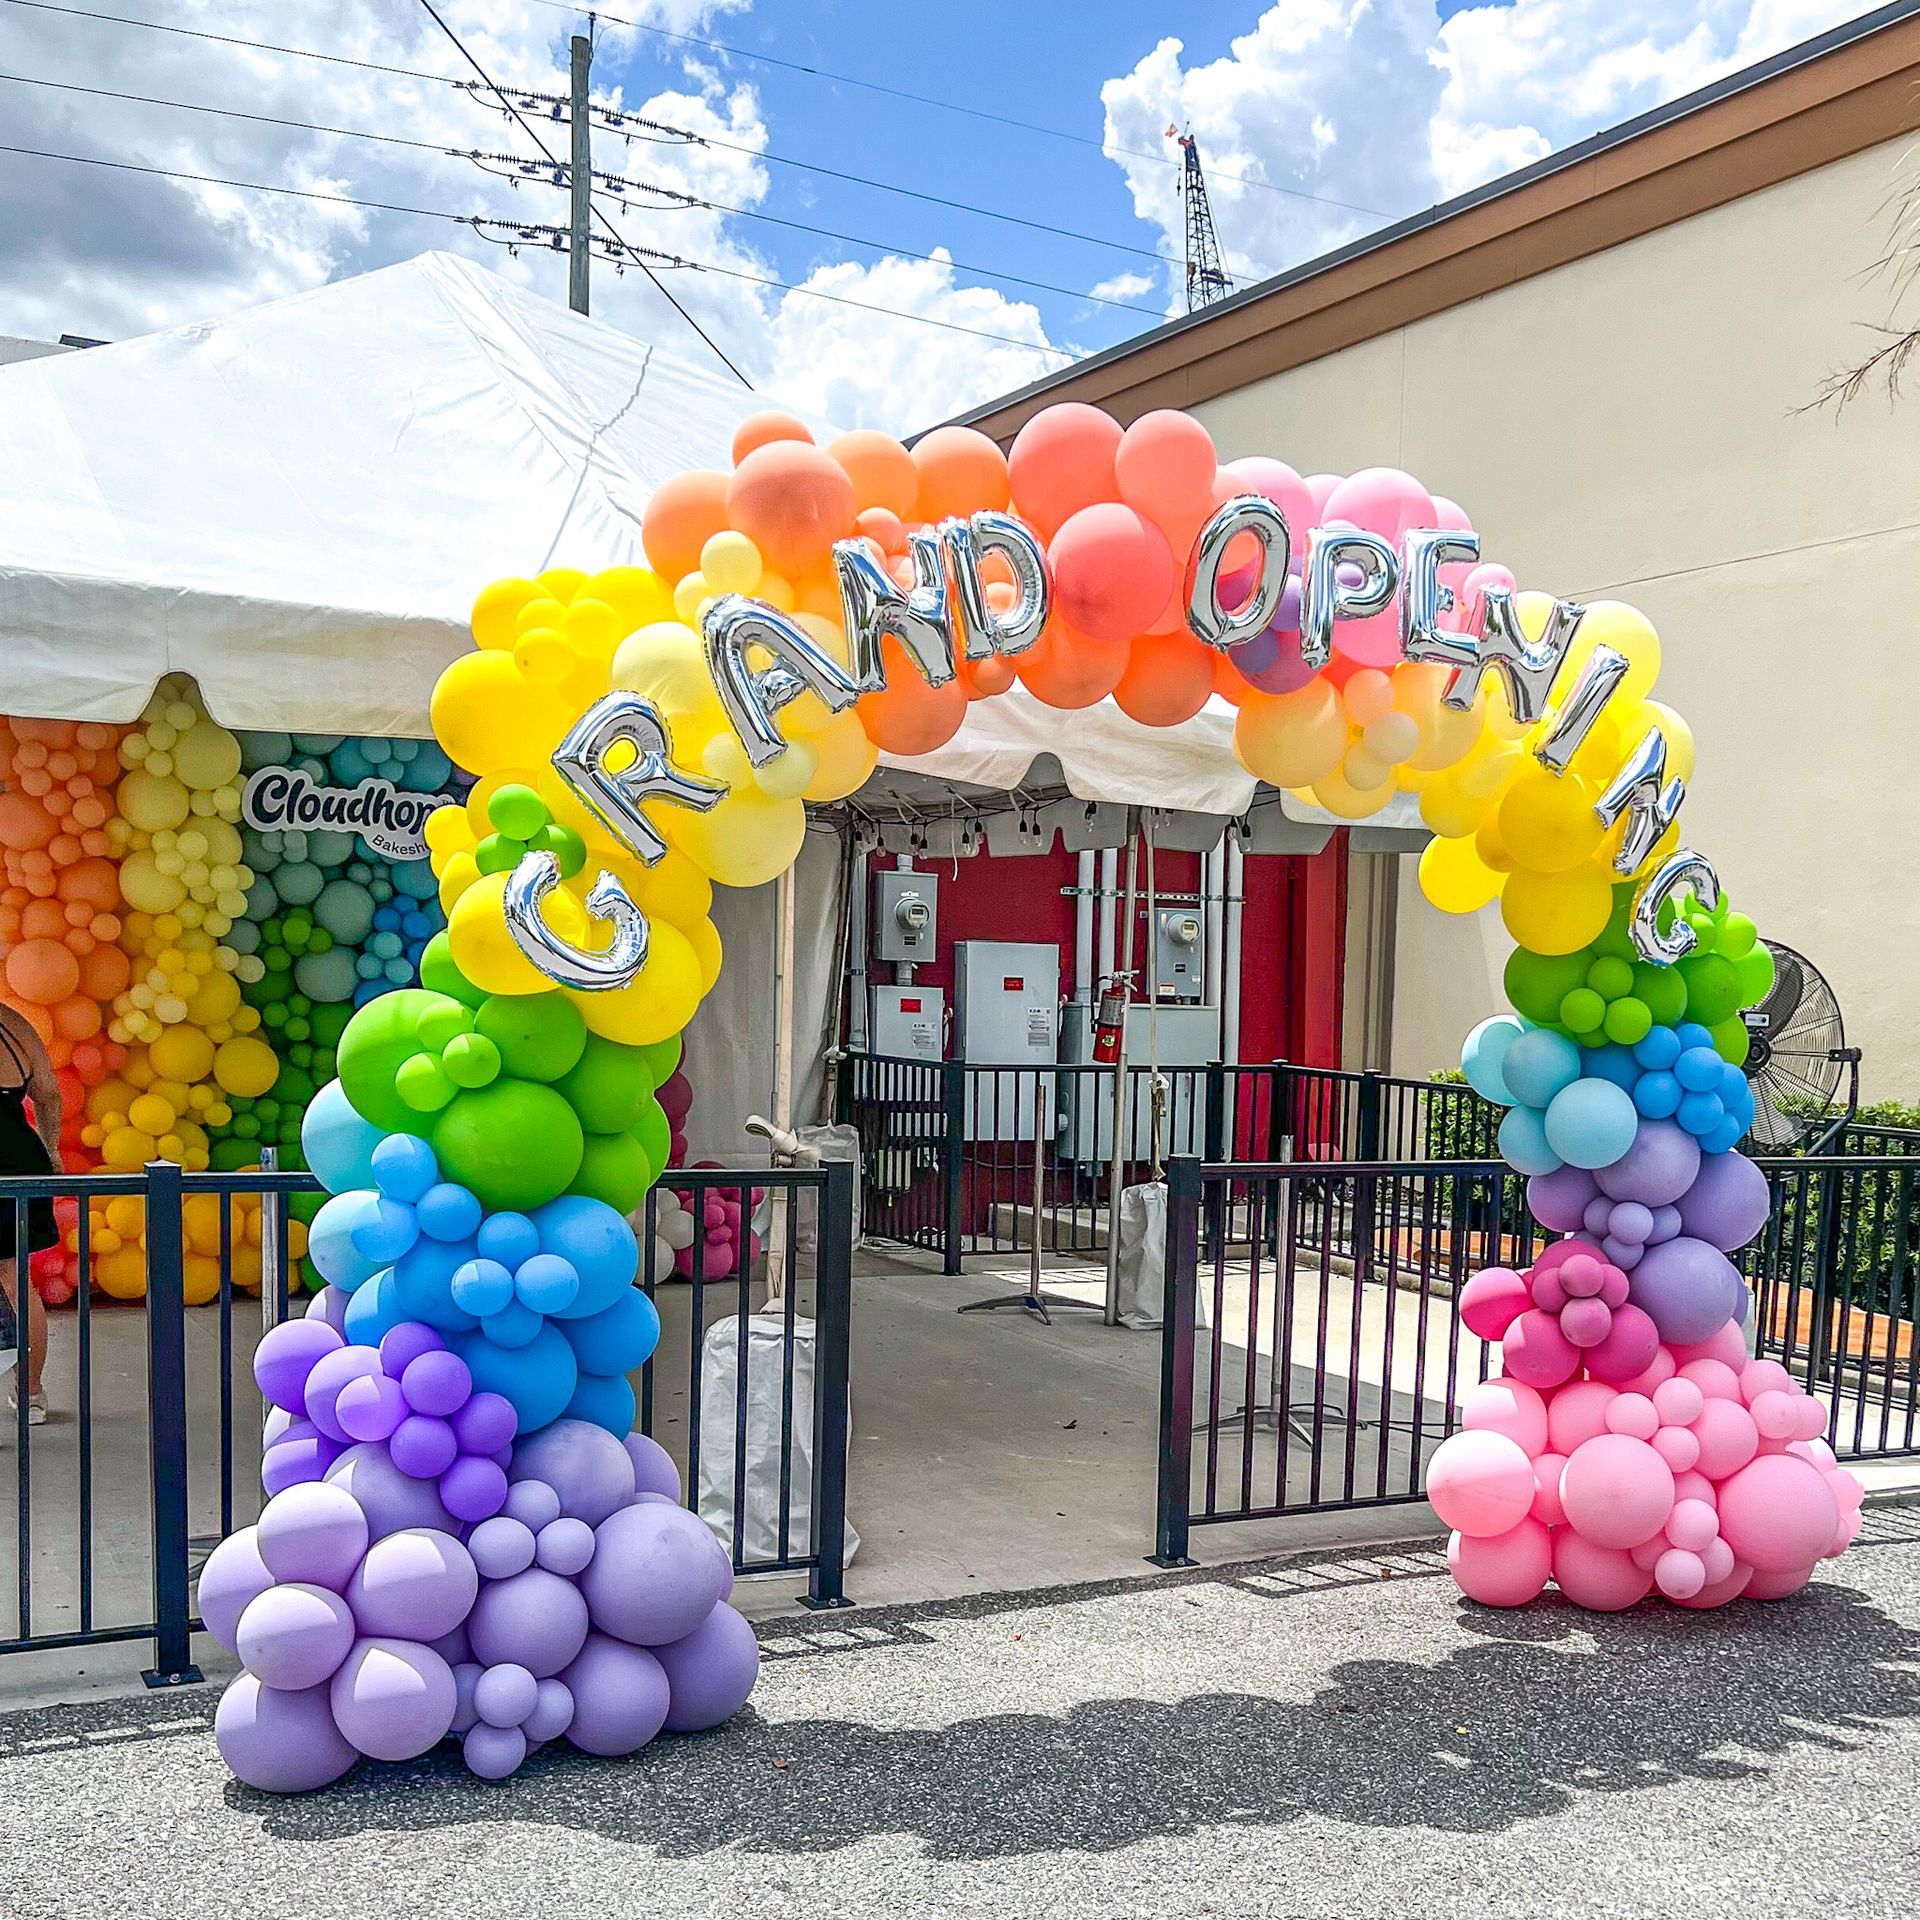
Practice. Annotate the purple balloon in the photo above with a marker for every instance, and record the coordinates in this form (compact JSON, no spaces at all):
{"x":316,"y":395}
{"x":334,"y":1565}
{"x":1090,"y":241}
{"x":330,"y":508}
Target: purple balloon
{"x":452,"y":1647}
{"x":466,"y":1677}
{"x":1666,"y":1223}
{"x":389,"y":1498}
{"x":565,"y":1546}
{"x":473,"y":1489}
{"x":404,"y":1344}
{"x":393,"y":1698}
{"x":328,"y":1308}
{"x":422,"y":1445}
{"x":1630,"y":1221}
{"x":437,"y":1384}
{"x":414,"y":1585}
{"x":653,"y":1577}
{"x":501,"y":1547}
{"x":535,"y":1620}
{"x":1728,"y":1202}
{"x":1657,"y":1169}
{"x":295,"y":1636}
{"x":493,"y":1752}
{"x":653,"y":1468}
{"x":370,"y":1408}
{"x":585,"y":1465}
{"x":1560,"y":1199}
{"x":315,"y":1532}
{"x":1690,"y":1289}
{"x":287,"y":1354}
{"x":280,"y":1742}
{"x":331,"y":1374}
{"x":533,"y":1503}
{"x":710,"y":1672}
{"x":503,"y":1696}
{"x":232,"y":1579}
{"x":289,"y":1463}
{"x":620,"y":1697}
{"x":485,"y":1424}
{"x":552,"y":1711}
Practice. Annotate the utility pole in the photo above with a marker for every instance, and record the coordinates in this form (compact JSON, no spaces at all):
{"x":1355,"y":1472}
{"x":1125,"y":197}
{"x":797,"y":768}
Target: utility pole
{"x":580,"y":177}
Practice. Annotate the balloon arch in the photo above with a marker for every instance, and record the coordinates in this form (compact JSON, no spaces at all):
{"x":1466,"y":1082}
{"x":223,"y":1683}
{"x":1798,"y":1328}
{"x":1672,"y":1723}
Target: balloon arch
{"x":464,"y":1535}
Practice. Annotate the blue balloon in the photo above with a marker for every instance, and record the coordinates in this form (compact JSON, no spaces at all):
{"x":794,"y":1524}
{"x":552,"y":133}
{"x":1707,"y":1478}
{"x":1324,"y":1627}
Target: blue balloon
{"x":336,"y":1143}
{"x":1660,"y":1047}
{"x":539,"y":1378}
{"x":404,"y":1167}
{"x":597,"y":1241}
{"x":449,"y":1212}
{"x":1726,"y":1136}
{"x":423,"y":1283}
{"x":512,"y":1325}
{"x":1700,"y":1113}
{"x":509,"y":1238}
{"x":1690,"y":1033}
{"x":1484,"y":1050}
{"x":482,"y":1287}
{"x":1523,"y":1142}
{"x":1591,"y":1123}
{"x":1698,"y":1070}
{"x":1657,"y":1095}
{"x":1610,"y":1063}
{"x":1538,"y":1064}
{"x":384,"y":1231}
{"x":330,"y":1240}
{"x":374,"y":1311}
{"x":617,"y":1340}
{"x":604,"y":1399}
{"x":547,"y":1283}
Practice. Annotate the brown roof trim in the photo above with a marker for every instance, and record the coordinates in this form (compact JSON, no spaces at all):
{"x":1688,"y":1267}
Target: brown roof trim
{"x":1819,"y":102}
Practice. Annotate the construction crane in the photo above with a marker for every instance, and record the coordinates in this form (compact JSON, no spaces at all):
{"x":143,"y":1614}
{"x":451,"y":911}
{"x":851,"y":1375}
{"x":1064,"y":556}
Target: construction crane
{"x":1206,"y":277}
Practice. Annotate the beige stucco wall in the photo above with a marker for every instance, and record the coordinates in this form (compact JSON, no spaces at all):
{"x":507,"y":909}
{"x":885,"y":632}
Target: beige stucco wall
{"x":1627,"y":426}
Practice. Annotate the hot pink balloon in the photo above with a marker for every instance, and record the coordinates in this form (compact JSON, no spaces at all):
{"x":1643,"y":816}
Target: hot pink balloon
{"x":1492,"y":1301}
{"x":1632,"y":1341}
{"x":1537,"y":1352}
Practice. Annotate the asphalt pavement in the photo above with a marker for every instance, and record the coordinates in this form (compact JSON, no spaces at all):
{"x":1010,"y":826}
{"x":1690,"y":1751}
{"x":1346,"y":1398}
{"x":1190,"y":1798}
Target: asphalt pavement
{"x":1339,"y":1735}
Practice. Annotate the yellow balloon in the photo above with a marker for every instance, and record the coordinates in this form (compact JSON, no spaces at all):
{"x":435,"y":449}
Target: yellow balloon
{"x":690,"y":592}
{"x":496,"y":610}
{"x":245,"y":1067}
{"x":789,"y":776}
{"x":447,"y":831}
{"x":1453,"y":877}
{"x":1291,"y":739}
{"x":127,"y":1149}
{"x":562,"y":582}
{"x":674,"y":889}
{"x":151,"y":1114}
{"x":730,"y":563}
{"x":152,"y":802}
{"x":844,"y":758}
{"x":1556,"y":912}
{"x":486,"y":714}
{"x":1547,"y":821}
{"x":1678,"y":735}
{"x":666,"y":662}
{"x":144,"y":887}
{"x":183,"y":1052}
{"x":638,"y":595}
{"x":747,"y":840}
{"x":1488,"y":847}
{"x":704,"y":937}
{"x":458,"y":873}
{"x":122,"y":1275}
{"x":657,"y":1003}
{"x":1608,"y":623}
{"x":206,"y":756}
{"x":483,"y":948}
{"x":1338,"y":795}
{"x":215,"y":1001}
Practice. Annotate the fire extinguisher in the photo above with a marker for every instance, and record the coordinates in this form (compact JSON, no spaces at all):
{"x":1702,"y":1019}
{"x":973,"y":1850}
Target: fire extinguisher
{"x":1109,"y":1018}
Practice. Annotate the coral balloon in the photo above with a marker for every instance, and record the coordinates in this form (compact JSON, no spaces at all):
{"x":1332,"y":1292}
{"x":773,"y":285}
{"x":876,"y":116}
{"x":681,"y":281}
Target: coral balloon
{"x":1063,"y":460}
{"x":792,"y":500}
{"x":681,"y":516}
{"x":961,"y":472}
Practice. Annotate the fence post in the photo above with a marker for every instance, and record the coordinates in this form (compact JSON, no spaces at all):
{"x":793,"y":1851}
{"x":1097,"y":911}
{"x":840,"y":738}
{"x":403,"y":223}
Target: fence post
{"x":1365,"y":1187}
{"x":953,"y":1089}
{"x":1828,"y":1181}
{"x":1214,"y":1151}
{"x":1176,"y":1366}
{"x":832,"y":1320}
{"x":167,"y":1428}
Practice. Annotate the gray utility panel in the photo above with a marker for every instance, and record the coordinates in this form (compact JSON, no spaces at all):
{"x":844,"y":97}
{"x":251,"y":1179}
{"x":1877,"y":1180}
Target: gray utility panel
{"x":1006,"y":1013}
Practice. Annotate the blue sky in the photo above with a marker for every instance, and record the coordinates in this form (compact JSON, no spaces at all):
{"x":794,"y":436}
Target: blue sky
{"x":1318,"y":120}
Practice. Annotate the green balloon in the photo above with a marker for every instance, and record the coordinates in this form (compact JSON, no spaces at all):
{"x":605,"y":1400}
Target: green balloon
{"x":1610,"y":978}
{"x":1731,"y":1039}
{"x":229,"y":1156}
{"x":328,"y":1024}
{"x":1754,"y":971}
{"x":517,"y":811}
{"x":1629,"y":1021}
{"x":610,"y":1087}
{"x":438,"y":972}
{"x":655,"y":1134}
{"x":1713,"y":987}
{"x":1582,"y":1012}
{"x":541,"y":1036}
{"x":1664,"y":992}
{"x":662,"y":1058}
{"x":379,"y":1040}
{"x":614,"y":1168}
{"x":1536,"y":984}
{"x":471,"y":1060}
{"x":294,"y":1089}
{"x":515,"y":1144}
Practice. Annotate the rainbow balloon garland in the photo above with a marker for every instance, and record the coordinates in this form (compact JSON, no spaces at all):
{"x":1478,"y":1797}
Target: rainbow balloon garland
{"x":463,"y":1535}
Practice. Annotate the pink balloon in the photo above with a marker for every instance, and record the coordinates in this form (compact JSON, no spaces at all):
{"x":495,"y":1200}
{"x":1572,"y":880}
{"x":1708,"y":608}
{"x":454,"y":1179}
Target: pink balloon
{"x":1320,"y":488}
{"x":1778,"y":1513}
{"x":1470,"y":611}
{"x":1765,"y":1376}
{"x":1577,"y":1413}
{"x":1776,"y":1414}
{"x":1661,"y":1367}
{"x":1716,"y":1593}
{"x":1689,"y":1483}
{"x":1714,"y":1378}
{"x":1679,"y":1574}
{"x":1492,"y":1301}
{"x":1634,"y":1414}
{"x":1603,"y":1579}
{"x":1586,"y":1322}
{"x":1480,"y":1483}
{"x":1503,"y":1569}
{"x":1384,"y":500}
{"x":1728,"y":1438}
{"x":1537,"y":1352}
{"x":1776,"y":1586}
{"x":1678,"y":1402}
{"x":1507,"y":1406}
{"x":1617,"y":1491}
{"x":1630,"y":1349}
{"x":1692,"y":1524}
{"x":1679,"y":1447}
{"x":1276,"y":481}
{"x":1717,"y":1557}
{"x":1728,"y":1345}
{"x":1548,"y":1289}
{"x":1547,"y":1469}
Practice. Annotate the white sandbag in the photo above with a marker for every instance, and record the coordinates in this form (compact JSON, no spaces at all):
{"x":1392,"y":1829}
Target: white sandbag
{"x":840,"y":1143}
{"x":720,"y":1389}
{"x":1142,"y":1265}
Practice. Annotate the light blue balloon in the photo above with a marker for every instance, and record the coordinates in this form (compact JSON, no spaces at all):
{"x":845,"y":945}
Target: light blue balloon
{"x":449,"y":1211}
{"x":483,"y":1287}
{"x":243,"y":937}
{"x":604,"y":1399}
{"x":265,"y":750}
{"x":328,"y":847}
{"x":1523,"y":1143}
{"x":599,"y":1244}
{"x":617,"y":1340}
{"x":326,"y":977}
{"x":317,"y":742}
{"x":368,"y":967}
{"x":1538,"y":1064}
{"x":539,"y":1378}
{"x":336,"y":1142}
{"x":429,"y":769}
{"x":414,"y":878}
{"x":1657,"y":1095}
{"x":1591,"y":1123}
{"x":348,"y":764}
{"x":1484,"y":1051}
{"x":331,"y":1244}
{"x":263,"y":901}
{"x":374,"y":1311}
{"x":399,"y":972}
{"x":386,"y":945}
{"x":423,"y":1282}
{"x":261,"y":851}
{"x":547,"y":1283}
{"x":404,"y":1167}
{"x":509,"y":1238}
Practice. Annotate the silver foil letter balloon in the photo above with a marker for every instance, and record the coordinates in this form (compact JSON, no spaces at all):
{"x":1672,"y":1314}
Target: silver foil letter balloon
{"x":1595,"y":684}
{"x":1636,"y":791}
{"x":1325,"y":599}
{"x":1681,"y":868}
{"x":614,"y":798}
{"x":751,"y":695}
{"x":1249,"y":513}
{"x":615,"y":965}
{"x":920,"y":617}
{"x":984,"y":631}
{"x":1424,"y":601}
{"x":1527,"y":666}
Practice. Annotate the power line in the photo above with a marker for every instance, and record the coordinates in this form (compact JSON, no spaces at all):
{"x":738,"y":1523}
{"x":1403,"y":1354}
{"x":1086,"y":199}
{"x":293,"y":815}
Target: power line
{"x":945,"y":106}
{"x":660,"y":286}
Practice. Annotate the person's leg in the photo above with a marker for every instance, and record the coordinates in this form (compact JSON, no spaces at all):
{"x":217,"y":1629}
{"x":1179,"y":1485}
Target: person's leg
{"x":36,"y":1325}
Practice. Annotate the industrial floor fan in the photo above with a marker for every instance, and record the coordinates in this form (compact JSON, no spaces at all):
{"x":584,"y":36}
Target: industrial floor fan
{"x":1797,"y":1053}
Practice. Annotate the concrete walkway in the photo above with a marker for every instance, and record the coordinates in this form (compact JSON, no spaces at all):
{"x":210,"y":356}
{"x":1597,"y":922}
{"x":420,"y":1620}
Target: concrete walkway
{"x":1333,"y":1736}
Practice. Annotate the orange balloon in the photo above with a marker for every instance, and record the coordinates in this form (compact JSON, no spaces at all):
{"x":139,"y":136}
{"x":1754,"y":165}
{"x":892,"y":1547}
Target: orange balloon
{"x":42,"y":971}
{"x":1068,"y":670}
{"x":43,"y":920}
{"x":104,"y":972}
{"x":985,"y":678}
{"x":961,"y":472}
{"x":23,"y":825}
{"x":908,"y":716}
{"x":1113,"y":572}
{"x":818,"y":591}
{"x":1165,"y":466}
{"x":792,"y":502}
{"x":1228,"y":681}
{"x":1167,"y":680}
{"x":77,"y":1019}
{"x":762,"y":429}
{"x":881,"y":469}
{"x":682,"y":515}
{"x":882,"y":526}
{"x":1061,"y":461}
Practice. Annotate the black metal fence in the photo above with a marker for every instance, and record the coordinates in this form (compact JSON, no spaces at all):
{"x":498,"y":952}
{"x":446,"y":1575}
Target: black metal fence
{"x":151,"y":1454}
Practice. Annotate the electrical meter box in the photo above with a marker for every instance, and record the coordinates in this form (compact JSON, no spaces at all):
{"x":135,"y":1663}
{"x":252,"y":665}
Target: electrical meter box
{"x":909,"y":1023}
{"x":1006,"y":1014}
{"x":906,"y":914}
{"x":1179,"y":954}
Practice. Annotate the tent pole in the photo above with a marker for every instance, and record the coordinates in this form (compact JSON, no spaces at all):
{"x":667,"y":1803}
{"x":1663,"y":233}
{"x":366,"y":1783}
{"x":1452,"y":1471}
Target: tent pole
{"x":777,"y":1249}
{"x":1116,"y":1171}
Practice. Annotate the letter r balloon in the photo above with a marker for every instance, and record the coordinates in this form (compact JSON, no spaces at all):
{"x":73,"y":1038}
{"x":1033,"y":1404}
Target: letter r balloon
{"x":614,"y":798}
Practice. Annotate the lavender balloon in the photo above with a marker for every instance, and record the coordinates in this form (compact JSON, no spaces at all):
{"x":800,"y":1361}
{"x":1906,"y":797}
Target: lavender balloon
{"x":232,"y":1579}
{"x":620,"y":1697}
{"x":473,"y":1489}
{"x":493,"y":1752}
{"x":535,"y":1620}
{"x":414,"y":1585}
{"x":328,"y":1308}
{"x":654,"y":1575}
{"x":1728,"y":1203}
{"x":389,"y":1498}
{"x":505,"y":1695}
{"x":585,"y":1465}
{"x":330,"y":1377}
{"x":1689,"y":1288}
{"x":393,"y":1698}
{"x":280,"y":1742}
{"x":653,"y":1468}
{"x":710,"y":1672}
{"x":552,"y":1711}
{"x":287,"y":1354}
{"x":316,"y":1532}
{"x":295,"y":1636}
{"x":290,"y":1463}
{"x":1657,"y":1169}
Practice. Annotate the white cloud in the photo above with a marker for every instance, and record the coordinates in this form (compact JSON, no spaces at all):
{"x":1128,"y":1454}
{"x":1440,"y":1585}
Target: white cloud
{"x":1378,"y":104}
{"x":1123,"y":286}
